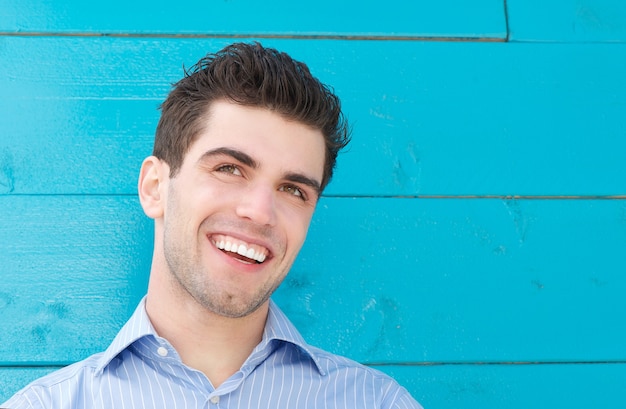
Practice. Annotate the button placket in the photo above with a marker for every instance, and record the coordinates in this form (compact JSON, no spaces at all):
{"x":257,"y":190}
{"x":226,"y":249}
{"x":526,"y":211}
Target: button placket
{"x":215,"y":400}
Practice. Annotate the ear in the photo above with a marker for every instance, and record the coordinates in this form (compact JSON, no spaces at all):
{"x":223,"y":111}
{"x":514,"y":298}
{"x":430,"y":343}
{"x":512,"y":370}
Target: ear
{"x":153,"y":179}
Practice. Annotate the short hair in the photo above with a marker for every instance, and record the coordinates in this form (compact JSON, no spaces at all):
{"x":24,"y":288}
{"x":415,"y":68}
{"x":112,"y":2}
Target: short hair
{"x":251,"y":75}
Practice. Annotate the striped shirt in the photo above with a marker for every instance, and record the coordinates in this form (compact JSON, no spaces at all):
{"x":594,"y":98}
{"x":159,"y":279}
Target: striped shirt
{"x":142,"y":370}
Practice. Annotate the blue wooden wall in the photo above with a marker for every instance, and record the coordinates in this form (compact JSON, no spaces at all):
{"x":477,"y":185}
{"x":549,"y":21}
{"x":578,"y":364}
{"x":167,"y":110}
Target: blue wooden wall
{"x":472,"y":244}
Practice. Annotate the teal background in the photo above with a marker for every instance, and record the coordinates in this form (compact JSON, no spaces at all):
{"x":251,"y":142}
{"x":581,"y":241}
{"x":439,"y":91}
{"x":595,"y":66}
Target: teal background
{"x":472,"y":243}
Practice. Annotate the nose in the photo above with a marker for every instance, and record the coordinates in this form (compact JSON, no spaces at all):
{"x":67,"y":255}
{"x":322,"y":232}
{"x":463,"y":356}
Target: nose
{"x":258,"y":205}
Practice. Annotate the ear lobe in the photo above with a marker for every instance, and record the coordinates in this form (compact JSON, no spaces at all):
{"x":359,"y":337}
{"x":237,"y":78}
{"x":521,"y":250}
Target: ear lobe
{"x":152,"y":180}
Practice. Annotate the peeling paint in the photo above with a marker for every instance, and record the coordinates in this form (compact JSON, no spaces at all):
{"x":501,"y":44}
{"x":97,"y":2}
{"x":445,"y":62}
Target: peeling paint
{"x":519,"y":219}
{"x":7,"y":181}
{"x":538,"y":284}
{"x":6,"y":299}
{"x":57,"y":309}
{"x":40,"y":333}
{"x":399,"y":175}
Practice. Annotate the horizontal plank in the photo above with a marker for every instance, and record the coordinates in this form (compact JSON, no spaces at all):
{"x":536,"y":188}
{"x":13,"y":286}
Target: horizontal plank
{"x":471,"y":386}
{"x":575,"y":386}
{"x":567,"y":20}
{"x":12,"y":379}
{"x":434,"y":118}
{"x":73,"y":262}
{"x":421,"y":280}
{"x":459,"y":280}
{"x":245,"y":17}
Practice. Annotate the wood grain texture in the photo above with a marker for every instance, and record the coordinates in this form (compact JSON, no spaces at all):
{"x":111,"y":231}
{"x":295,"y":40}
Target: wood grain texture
{"x":429,"y":118}
{"x":567,"y":20}
{"x":396,"y":18}
{"x":69,"y":262}
{"x":12,"y":379}
{"x":515,"y":386}
{"x":421,"y":280}
{"x":468,"y":300}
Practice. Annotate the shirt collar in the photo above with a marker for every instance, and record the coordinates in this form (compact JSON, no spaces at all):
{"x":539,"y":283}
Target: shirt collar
{"x":138,"y":326}
{"x":277,"y":328}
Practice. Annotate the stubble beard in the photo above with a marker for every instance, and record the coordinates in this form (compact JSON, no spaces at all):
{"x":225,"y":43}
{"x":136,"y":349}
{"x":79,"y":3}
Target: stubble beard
{"x":194,"y":279}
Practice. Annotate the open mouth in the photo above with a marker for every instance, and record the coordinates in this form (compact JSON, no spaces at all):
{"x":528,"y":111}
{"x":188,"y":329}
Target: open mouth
{"x":240,"y":250}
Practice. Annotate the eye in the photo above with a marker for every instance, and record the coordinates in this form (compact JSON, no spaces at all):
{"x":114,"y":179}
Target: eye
{"x":293,"y":190}
{"x":229,"y":168}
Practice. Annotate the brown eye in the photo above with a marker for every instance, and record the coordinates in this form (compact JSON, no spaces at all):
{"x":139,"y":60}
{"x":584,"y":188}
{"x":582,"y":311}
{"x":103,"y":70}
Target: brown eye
{"x":293,"y":190}
{"x":229,"y":169}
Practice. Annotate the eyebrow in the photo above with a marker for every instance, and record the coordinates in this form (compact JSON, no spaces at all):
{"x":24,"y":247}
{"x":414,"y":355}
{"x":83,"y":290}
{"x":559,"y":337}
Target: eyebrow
{"x":304,"y":180}
{"x":238,"y":155}
{"x":249,"y":161}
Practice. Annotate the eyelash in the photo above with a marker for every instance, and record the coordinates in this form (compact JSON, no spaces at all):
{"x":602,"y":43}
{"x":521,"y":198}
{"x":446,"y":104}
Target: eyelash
{"x":291,"y":189}
{"x":229,"y":168}
{"x":295,"y":191}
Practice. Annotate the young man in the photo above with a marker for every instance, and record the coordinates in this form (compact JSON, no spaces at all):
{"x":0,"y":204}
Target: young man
{"x":245,"y":145}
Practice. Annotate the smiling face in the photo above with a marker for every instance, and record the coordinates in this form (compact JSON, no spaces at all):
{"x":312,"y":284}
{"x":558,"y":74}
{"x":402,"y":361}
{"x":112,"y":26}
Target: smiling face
{"x":236,"y":214}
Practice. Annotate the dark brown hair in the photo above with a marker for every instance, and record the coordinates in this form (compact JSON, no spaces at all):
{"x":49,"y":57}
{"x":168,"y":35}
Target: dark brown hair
{"x":250,"y":75}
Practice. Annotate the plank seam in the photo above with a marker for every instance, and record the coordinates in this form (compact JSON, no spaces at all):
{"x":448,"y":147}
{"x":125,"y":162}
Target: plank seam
{"x":356,"y":196}
{"x":506,"y":21}
{"x":355,"y":37}
{"x":495,"y":363}
{"x":484,"y":197}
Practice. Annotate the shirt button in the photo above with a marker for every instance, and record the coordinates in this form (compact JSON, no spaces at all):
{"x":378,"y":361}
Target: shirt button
{"x":215,"y":400}
{"x":162,"y":351}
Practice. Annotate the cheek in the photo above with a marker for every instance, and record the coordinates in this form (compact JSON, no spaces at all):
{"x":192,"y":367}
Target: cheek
{"x":178,"y":215}
{"x":296,"y":224}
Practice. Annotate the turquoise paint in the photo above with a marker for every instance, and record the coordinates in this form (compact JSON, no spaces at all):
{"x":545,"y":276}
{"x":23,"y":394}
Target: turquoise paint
{"x":422,"y":280}
{"x":395,"y":18}
{"x":524,"y":119}
{"x":462,"y":280}
{"x":448,"y":295}
{"x":69,"y":262}
{"x":567,"y":20}
{"x":515,"y":386}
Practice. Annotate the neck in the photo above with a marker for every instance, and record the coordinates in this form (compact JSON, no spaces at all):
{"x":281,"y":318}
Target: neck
{"x":215,"y":345}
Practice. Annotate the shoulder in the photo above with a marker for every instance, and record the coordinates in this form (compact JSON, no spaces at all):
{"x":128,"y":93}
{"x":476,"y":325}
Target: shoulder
{"x":49,"y":390}
{"x":361,"y":380}
{"x":337,"y":378}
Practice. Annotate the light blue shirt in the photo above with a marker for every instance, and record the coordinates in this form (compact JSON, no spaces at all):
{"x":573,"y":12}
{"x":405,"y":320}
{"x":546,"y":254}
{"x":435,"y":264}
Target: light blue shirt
{"x":142,"y":370}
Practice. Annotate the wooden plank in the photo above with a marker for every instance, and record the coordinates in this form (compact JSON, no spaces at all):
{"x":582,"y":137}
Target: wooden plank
{"x":397,"y":18}
{"x":421,"y":280}
{"x":463,"y":280}
{"x":577,"y":386}
{"x":567,"y":20}
{"x":433,"y":119}
{"x":12,"y":379}
{"x":68,"y":262}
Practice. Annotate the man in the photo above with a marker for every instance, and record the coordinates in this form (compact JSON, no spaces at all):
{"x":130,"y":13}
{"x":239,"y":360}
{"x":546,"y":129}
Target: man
{"x":246,"y":143}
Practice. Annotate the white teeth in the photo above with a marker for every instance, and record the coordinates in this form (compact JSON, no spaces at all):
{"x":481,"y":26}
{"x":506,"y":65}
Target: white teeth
{"x":241,"y":249}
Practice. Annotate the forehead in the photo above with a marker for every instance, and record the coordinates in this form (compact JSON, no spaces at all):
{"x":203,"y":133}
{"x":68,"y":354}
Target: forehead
{"x":263,"y":134}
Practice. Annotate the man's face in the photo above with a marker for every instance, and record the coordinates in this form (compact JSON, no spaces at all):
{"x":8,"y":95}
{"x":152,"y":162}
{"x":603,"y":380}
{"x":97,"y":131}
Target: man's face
{"x":238,"y":210}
